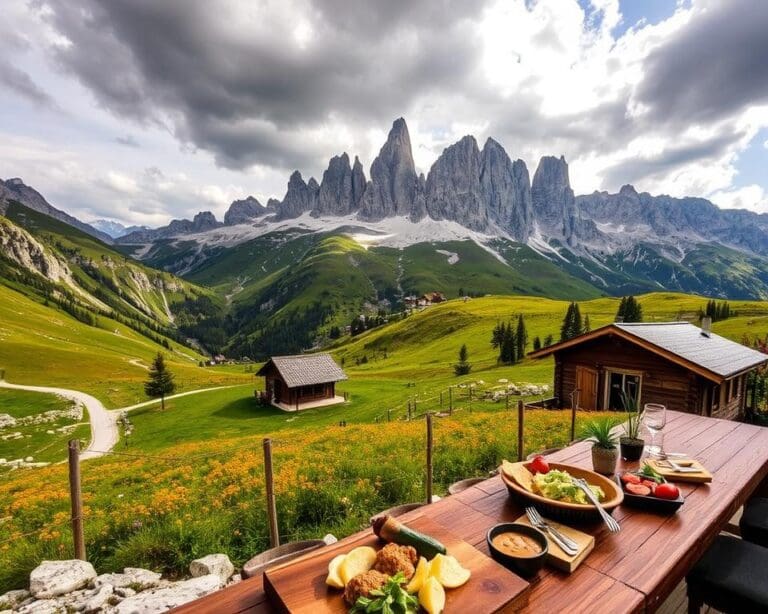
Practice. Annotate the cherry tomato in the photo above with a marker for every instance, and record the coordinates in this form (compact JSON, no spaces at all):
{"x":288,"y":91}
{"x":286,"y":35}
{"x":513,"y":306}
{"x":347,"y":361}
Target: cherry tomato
{"x":539,"y":465}
{"x":638,"y":489}
{"x":630,"y":478}
{"x":667,"y":491}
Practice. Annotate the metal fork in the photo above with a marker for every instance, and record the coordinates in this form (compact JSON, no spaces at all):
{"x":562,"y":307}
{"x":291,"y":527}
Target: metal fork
{"x":567,"y":545}
{"x":610,"y":522}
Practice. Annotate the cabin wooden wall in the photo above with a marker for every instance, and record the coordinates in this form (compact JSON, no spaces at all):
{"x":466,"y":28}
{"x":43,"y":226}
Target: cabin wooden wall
{"x":662,"y":380}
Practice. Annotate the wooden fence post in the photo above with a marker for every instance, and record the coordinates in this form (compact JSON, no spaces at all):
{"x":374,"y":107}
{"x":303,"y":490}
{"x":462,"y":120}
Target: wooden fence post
{"x":507,"y":400}
{"x":429,"y":457}
{"x":274,"y":534}
{"x":520,"y":425}
{"x":389,"y":415}
{"x":76,"y":498}
{"x":441,"y":399}
{"x":409,"y":411}
{"x":450,"y":400}
{"x":573,"y":423}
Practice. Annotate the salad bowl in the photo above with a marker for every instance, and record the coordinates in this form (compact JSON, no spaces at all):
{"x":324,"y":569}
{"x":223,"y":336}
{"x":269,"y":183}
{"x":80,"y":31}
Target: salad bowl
{"x":563,"y":510}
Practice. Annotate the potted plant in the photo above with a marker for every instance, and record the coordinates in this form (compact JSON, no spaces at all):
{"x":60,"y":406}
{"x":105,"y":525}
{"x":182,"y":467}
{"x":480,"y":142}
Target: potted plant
{"x":605,"y":454}
{"x":631,"y":443}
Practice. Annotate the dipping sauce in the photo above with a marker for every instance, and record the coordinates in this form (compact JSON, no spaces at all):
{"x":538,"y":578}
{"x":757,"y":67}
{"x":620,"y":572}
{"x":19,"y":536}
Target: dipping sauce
{"x":516,"y":544}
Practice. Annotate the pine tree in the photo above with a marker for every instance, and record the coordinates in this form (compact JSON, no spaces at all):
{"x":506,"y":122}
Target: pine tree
{"x":507,"y":354}
{"x":536,"y":343}
{"x":548,"y":340}
{"x":521,"y":338}
{"x":160,"y":381}
{"x":629,"y":310}
{"x":462,"y":367}
{"x":572,"y":325}
{"x":587,"y":326}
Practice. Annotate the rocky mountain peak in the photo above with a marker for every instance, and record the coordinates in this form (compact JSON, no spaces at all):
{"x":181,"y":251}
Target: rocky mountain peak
{"x":342,"y":187}
{"x":299,"y":198}
{"x":205,"y":220}
{"x":394,"y":184}
{"x":554,"y":203}
{"x":243,"y":211}
{"x":628,"y":190}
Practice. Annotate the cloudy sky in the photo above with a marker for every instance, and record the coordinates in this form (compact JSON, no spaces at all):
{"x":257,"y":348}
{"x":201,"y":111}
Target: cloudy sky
{"x":144,"y":110}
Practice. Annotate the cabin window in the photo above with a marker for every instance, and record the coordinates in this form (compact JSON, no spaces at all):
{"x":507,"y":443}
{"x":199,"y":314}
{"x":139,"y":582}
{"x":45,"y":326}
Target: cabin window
{"x":715,"y":397}
{"x":620,"y":383}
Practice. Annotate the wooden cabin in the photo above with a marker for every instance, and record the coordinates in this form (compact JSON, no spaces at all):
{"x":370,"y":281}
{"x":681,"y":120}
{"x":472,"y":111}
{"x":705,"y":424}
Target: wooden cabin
{"x":301,"y":382}
{"x":677,"y":364}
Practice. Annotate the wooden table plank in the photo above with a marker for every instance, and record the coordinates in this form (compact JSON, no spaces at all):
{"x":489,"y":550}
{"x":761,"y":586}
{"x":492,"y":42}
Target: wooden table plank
{"x":629,"y":572}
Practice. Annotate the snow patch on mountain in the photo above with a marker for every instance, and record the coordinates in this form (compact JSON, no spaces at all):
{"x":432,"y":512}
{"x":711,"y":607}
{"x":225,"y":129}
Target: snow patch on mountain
{"x":453,"y":257}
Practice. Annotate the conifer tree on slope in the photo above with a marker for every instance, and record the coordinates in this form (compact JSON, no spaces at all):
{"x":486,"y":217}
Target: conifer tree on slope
{"x":160,"y":381}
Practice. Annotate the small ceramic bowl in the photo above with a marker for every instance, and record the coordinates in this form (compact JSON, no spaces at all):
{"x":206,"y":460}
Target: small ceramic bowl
{"x":525,"y":566}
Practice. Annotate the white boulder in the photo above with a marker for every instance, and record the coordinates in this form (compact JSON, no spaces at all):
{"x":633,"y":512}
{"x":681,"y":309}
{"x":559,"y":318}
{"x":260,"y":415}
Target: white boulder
{"x":7,"y":420}
{"x":162,"y":599}
{"x":13,"y":598}
{"x":131,"y":576}
{"x":218,"y":564}
{"x":44,"y":606}
{"x":53,"y":578}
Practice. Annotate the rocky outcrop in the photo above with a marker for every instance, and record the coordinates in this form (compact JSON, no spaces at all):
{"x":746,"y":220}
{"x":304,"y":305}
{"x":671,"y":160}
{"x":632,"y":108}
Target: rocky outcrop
{"x":394,"y":187}
{"x":18,"y":245}
{"x":454,"y":188}
{"x":554,"y":203}
{"x":202,"y":222}
{"x":243,"y":211}
{"x":507,"y":191}
{"x":300,"y":197}
{"x":216,"y":564}
{"x":342,"y":187}
{"x":73,"y":586}
{"x":54,"y":578}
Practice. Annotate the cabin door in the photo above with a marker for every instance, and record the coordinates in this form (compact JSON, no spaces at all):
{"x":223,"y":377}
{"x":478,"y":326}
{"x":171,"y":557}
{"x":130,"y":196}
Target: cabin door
{"x":586,"y":383}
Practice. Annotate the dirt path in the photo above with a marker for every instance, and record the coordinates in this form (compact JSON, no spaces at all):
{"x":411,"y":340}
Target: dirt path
{"x":175,"y":396}
{"x":104,"y":431}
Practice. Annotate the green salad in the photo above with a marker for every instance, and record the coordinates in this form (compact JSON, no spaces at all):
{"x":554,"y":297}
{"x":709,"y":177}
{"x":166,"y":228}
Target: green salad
{"x":558,"y":485}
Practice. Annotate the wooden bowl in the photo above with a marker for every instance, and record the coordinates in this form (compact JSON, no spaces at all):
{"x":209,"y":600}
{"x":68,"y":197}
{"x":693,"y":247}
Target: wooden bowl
{"x":568,"y":512}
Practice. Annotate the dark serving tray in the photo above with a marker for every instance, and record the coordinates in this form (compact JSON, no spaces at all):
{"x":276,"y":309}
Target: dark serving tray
{"x":649,"y":502}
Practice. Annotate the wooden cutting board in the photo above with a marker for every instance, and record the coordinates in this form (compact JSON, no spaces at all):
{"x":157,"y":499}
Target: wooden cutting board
{"x":299,"y":586}
{"x":556,"y":557}
{"x":673,"y":476}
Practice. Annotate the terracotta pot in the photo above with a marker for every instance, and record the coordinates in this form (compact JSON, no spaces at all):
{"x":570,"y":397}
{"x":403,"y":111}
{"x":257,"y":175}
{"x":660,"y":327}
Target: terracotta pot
{"x":604,"y":460}
{"x":631,"y":448}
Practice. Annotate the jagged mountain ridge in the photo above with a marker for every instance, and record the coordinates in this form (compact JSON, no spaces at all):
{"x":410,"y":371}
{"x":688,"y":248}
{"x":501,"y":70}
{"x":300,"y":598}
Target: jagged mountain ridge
{"x":16,"y":189}
{"x":484,"y":190}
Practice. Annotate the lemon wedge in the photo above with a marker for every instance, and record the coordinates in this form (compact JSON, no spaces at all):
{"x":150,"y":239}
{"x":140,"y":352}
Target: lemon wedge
{"x":421,"y":574}
{"x":448,"y":571}
{"x":432,"y":596}
{"x":334,"y":579}
{"x":357,"y":561}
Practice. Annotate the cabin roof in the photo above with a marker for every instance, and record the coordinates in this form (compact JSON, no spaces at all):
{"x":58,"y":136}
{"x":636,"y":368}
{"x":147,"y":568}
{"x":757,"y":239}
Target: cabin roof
{"x":305,"y":369}
{"x":709,"y":355}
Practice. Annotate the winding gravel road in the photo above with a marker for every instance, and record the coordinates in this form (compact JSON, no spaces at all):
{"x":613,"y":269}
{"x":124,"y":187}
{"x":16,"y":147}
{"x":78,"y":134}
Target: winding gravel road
{"x":104,"y":431}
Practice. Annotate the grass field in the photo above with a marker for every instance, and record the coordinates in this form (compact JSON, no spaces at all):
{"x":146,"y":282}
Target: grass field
{"x":43,"y":346}
{"x":37,"y":439}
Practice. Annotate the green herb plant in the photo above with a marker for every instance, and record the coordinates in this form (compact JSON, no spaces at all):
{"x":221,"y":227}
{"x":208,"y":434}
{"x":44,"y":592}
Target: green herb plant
{"x":634,"y":417}
{"x":600,"y":432}
{"x":391,"y":598}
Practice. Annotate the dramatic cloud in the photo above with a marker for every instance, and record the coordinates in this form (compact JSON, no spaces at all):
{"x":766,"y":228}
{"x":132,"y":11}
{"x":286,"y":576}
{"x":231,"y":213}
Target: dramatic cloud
{"x":21,"y":83}
{"x":228,"y":92}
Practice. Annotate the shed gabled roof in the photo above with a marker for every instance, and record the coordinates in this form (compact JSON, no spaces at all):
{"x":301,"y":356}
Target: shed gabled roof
{"x":712,"y":356}
{"x":305,"y":370}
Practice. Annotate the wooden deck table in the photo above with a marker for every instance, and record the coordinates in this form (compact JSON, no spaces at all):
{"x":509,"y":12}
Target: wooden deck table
{"x":632,"y":571}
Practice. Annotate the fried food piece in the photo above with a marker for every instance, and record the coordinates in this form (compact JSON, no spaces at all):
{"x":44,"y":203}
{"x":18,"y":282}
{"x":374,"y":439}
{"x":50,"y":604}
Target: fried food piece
{"x":393,"y":558}
{"x":362,"y":585}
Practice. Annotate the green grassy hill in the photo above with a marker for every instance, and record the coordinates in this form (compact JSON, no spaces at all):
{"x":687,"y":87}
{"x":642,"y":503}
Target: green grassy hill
{"x":42,"y":345}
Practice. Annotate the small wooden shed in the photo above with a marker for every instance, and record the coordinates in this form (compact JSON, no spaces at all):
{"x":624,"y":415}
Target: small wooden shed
{"x":300,"y":382}
{"x":680,"y":365}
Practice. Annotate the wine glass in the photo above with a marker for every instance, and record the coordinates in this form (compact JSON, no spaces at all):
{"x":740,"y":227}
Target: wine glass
{"x":655,"y":417}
